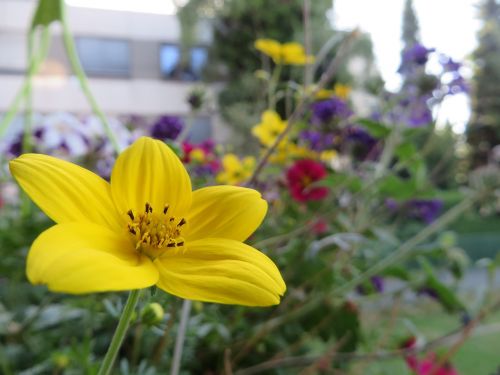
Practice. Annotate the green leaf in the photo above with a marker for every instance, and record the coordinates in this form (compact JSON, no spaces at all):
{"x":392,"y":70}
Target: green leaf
{"x":347,"y":328}
{"x":375,"y":128}
{"x":397,"y":188}
{"x":446,"y":297}
{"x":397,"y":272}
{"x":405,"y":151}
{"x":47,"y":11}
{"x":351,"y":182}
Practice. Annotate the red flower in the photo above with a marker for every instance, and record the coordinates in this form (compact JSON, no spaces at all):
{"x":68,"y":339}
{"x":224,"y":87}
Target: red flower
{"x":300,"y":177}
{"x":429,"y":365}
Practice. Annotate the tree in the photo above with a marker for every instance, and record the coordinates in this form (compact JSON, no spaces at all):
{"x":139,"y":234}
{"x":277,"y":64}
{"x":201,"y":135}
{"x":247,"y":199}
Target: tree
{"x":411,"y":32}
{"x":483,"y":132}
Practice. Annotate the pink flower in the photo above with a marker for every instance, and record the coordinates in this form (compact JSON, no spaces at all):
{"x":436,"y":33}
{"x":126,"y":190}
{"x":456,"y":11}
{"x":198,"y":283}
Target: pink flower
{"x":301,"y":176}
{"x":430,"y":365}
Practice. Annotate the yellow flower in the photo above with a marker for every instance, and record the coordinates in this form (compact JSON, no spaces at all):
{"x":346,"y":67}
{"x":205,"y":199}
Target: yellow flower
{"x":328,"y":155}
{"x":342,"y":91}
{"x":235,"y":171}
{"x":339,"y":90}
{"x":146,"y":227}
{"x":287,"y":151}
{"x":270,"y":127}
{"x":288,"y":53}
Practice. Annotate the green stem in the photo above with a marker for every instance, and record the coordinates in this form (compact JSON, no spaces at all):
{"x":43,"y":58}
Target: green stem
{"x":273,"y":83}
{"x":121,"y":330}
{"x":34,"y":64}
{"x":74,"y":60}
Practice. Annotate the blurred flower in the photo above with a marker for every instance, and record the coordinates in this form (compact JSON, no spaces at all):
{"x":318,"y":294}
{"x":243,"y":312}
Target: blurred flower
{"x":342,"y":91}
{"x":287,"y":53}
{"x":426,"y":210}
{"x":63,"y":134}
{"x":430,"y":365}
{"x":301,"y":176}
{"x":235,"y":170}
{"x":328,"y":156}
{"x":373,"y":285}
{"x":167,"y":127}
{"x":196,"y":98}
{"x":320,"y":227}
{"x":202,"y":156}
{"x":327,"y":110}
{"x":270,"y":127}
{"x":317,"y":140}
{"x":134,"y":232}
{"x":417,"y":54}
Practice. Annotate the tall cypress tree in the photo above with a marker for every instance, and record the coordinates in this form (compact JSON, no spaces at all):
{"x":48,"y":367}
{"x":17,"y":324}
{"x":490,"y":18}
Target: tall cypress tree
{"x":483,"y":132}
{"x":411,"y":32}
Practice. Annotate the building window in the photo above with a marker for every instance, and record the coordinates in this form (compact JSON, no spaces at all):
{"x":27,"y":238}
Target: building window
{"x":171,"y":67}
{"x":104,"y":57}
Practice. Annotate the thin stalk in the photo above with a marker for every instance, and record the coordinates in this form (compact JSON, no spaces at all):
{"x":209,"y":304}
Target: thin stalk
{"x":121,"y":330}
{"x":74,"y":60}
{"x":181,"y":335}
{"x":33,"y":66}
{"x":308,"y":76}
{"x":273,"y":83}
{"x":185,"y":132}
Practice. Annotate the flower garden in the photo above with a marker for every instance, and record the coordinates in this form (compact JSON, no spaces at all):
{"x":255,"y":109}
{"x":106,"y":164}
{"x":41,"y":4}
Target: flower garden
{"x":340,"y":230}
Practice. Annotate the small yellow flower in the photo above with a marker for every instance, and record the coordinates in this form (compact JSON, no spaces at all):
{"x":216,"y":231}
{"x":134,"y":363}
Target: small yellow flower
{"x":197,"y":155}
{"x":235,"y":171}
{"x":288,"y":53}
{"x":270,"y":127}
{"x":342,"y":91}
{"x":287,"y":151}
{"x":328,"y":155}
{"x":146,"y":227}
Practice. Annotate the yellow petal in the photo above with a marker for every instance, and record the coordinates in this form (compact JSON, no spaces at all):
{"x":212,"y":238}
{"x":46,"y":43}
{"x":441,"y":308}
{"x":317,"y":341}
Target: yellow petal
{"x":83,"y":258}
{"x":222,"y":271}
{"x":226,"y":212}
{"x":65,"y":191}
{"x":150,"y":172}
{"x":269,"y":47}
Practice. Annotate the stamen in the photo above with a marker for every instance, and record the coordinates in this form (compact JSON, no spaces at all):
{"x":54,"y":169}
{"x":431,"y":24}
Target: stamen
{"x":130,"y":214}
{"x":152,"y":233}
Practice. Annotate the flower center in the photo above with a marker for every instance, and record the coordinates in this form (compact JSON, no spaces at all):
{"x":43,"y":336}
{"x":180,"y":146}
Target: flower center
{"x":155,"y":232}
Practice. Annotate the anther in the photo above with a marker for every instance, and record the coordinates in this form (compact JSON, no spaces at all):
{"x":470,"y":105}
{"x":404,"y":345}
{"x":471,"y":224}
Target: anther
{"x":171,"y":244}
{"x":149,"y":209}
{"x":180,"y":243}
{"x":132,"y":230}
{"x":130,"y":215}
{"x":182,"y":222}
{"x":165,"y":209}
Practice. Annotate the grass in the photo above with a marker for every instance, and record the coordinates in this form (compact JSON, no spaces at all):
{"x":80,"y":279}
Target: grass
{"x":478,"y":356}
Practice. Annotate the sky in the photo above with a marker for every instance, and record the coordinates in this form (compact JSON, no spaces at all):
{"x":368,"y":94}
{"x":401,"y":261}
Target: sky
{"x":450,"y":26}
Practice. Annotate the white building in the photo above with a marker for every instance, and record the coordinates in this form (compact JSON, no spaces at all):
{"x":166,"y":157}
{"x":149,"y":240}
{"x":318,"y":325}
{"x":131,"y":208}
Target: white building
{"x":130,"y":58}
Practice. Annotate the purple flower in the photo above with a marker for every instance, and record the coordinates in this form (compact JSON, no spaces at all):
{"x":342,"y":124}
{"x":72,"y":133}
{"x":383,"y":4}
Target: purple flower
{"x":449,"y":65}
{"x":316,"y":140}
{"x":419,"y":113}
{"x":326,"y":110}
{"x":417,"y":54}
{"x":374,"y":285}
{"x":359,"y":135}
{"x":167,"y":127}
{"x":426,"y":210}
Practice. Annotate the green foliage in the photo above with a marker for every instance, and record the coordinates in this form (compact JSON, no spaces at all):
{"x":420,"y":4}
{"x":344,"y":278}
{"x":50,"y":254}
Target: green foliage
{"x":47,"y":11}
{"x":483,"y":131}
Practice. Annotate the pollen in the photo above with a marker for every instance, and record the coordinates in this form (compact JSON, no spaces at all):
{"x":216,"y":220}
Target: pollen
{"x":155,"y":232}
